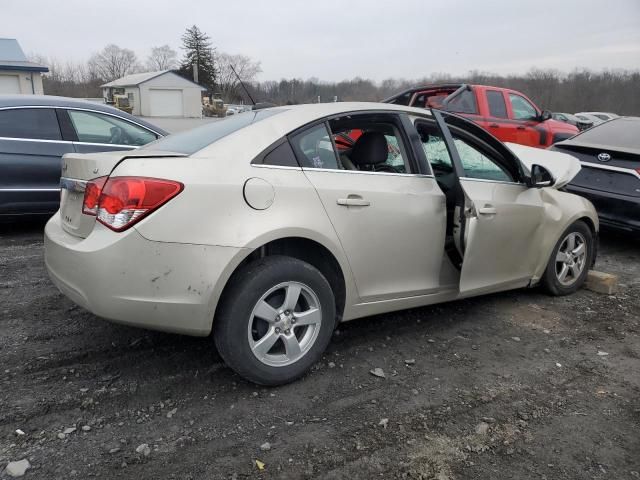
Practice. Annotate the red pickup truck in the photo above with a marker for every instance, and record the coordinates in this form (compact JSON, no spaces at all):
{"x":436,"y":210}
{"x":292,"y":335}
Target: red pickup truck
{"x":507,"y":114}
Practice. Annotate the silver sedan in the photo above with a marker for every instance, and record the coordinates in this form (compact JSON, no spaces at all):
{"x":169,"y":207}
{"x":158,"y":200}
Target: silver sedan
{"x":270,"y":227}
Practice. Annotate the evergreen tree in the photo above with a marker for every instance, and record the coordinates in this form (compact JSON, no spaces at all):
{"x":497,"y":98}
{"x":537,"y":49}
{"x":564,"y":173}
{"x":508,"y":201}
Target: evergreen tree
{"x":197,"y":50}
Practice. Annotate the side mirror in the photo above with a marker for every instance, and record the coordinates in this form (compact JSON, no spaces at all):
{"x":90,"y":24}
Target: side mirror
{"x":545,"y":115}
{"x":540,"y":177}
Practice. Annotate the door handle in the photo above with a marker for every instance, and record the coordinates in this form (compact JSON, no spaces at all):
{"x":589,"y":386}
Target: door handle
{"x":353,"y":201}
{"x":494,"y":125}
{"x":520,"y":127}
{"x":487,"y":210}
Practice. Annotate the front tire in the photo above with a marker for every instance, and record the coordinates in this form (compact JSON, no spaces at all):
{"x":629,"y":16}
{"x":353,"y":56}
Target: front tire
{"x":275,"y":320}
{"x":570,"y":260}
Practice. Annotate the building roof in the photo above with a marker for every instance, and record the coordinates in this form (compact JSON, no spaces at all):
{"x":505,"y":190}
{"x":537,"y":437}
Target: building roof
{"x":13,"y":58}
{"x":138,"y":78}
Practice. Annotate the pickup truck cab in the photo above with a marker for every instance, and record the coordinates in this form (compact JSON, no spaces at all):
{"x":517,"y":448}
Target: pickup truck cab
{"x":508,"y":114}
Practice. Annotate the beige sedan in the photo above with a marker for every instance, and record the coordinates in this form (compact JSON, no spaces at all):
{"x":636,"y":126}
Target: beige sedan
{"x":270,"y":227}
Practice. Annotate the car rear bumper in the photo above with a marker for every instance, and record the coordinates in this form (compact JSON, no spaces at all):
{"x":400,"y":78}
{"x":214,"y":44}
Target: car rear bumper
{"x":614,"y":210}
{"x":128,"y":279}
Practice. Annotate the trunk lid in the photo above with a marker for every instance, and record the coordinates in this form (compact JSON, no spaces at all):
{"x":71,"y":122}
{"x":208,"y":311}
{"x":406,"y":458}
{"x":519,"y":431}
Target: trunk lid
{"x":607,"y":169}
{"x":77,"y":170}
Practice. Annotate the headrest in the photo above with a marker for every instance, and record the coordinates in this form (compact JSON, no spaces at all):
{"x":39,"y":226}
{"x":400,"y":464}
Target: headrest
{"x":370,"y":149}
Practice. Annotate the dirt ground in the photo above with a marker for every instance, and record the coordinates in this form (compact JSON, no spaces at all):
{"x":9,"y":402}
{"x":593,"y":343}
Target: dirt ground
{"x":511,"y":386}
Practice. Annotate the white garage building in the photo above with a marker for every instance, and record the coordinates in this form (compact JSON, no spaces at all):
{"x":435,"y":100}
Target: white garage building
{"x":17,"y":74}
{"x":158,"y":94}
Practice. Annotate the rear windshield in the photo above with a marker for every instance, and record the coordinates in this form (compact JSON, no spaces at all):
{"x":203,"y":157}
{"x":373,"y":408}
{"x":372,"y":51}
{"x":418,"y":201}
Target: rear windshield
{"x":619,"y":132}
{"x":197,"y":138}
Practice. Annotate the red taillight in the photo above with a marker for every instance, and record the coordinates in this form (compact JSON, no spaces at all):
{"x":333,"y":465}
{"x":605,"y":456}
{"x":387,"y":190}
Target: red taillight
{"x":92,"y":195}
{"x":124,"y":201}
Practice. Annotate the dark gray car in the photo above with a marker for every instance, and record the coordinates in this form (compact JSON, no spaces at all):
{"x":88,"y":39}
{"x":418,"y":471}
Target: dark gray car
{"x":36,"y":130}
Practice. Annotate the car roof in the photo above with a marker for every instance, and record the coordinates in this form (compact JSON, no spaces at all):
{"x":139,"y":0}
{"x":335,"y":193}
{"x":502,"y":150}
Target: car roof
{"x":292,"y":117}
{"x":8,"y":101}
{"x":598,"y":113}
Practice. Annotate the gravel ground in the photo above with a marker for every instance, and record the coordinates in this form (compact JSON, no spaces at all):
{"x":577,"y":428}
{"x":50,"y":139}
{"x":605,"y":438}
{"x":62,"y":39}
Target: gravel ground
{"x":517,"y":385}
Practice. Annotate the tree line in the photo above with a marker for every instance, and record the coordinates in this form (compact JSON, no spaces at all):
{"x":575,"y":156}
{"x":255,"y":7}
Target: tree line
{"x":219,"y":72}
{"x":577,"y":91}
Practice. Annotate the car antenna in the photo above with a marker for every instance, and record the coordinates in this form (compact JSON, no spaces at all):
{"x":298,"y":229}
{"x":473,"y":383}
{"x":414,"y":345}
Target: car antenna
{"x":241,"y":83}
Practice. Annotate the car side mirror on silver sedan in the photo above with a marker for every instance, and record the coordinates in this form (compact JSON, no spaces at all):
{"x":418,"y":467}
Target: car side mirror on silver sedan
{"x":540,"y":177}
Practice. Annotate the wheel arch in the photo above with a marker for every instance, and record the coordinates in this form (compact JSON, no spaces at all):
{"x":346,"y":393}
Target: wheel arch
{"x":582,"y":210}
{"x":303,"y":248}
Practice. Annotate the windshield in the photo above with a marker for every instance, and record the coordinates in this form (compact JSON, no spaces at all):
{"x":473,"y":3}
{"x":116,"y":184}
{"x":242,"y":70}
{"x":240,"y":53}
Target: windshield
{"x":196,"y":139}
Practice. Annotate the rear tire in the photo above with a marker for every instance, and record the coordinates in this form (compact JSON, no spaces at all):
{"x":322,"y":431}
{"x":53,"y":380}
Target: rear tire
{"x":570,"y":260}
{"x":275,"y":320}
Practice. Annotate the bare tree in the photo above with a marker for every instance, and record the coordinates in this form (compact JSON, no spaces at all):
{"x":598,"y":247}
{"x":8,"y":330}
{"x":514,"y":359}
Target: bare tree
{"x":228,"y":82}
{"x":162,"y":58}
{"x":113,"y":62}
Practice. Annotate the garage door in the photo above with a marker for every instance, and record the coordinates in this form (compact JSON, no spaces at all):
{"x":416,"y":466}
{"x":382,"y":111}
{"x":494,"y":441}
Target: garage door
{"x":9,"y":84}
{"x":165,"y":103}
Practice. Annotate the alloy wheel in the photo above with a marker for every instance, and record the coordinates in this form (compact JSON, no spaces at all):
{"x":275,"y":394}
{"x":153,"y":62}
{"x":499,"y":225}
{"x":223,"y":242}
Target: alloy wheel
{"x":571,"y":259}
{"x":284,"y":324}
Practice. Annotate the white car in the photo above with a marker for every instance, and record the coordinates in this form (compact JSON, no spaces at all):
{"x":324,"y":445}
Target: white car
{"x":269,"y":228}
{"x":596,"y":117}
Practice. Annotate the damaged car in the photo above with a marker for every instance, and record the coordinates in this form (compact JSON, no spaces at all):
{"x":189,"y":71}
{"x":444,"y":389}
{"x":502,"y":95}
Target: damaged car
{"x":259,"y":231}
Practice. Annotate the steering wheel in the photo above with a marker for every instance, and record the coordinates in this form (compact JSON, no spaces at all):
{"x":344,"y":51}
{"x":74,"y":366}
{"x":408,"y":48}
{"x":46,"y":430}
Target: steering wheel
{"x":117,"y":135}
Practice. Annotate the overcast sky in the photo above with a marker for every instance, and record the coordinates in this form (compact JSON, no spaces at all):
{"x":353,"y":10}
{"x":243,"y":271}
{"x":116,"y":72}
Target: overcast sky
{"x":334,"y":40}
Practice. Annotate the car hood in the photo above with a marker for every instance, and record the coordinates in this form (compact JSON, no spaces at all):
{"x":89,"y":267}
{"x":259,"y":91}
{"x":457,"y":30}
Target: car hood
{"x":562,"y":166}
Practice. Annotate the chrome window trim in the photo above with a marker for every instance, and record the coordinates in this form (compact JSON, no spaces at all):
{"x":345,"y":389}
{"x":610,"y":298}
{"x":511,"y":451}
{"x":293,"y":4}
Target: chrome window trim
{"x":15,"y":107}
{"x":486,"y":180}
{"x":29,"y":189}
{"x":132,"y":147}
{"x":360,"y":172}
{"x":277,"y":167}
{"x":67,"y":142}
{"x":19,"y":139}
{"x":629,"y":171}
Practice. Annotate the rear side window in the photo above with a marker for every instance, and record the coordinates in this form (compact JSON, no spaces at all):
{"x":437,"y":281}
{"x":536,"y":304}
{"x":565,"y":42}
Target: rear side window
{"x":402,"y":99}
{"x":464,"y":102}
{"x":315,"y":148}
{"x":196,"y":139}
{"x":36,"y":123}
{"x":497,"y":105}
{"x":282,"y":155}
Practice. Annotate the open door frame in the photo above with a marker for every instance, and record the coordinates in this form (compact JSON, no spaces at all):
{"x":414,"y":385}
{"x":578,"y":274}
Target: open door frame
{"x":499,"y":222}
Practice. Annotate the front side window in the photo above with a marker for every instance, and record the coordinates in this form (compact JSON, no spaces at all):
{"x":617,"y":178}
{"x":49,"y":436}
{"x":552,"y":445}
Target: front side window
{"x":522,"y":108}
{"x":477,"y":164}
{"x":435,"y":148}
{"x":497,"y":105}
{"x":92,"y":127}
{"x":35,"y":123}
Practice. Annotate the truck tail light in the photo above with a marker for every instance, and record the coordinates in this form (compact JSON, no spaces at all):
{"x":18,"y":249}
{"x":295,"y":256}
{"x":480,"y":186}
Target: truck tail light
{"x":123,"y":201}
{"x":92,"y":193}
